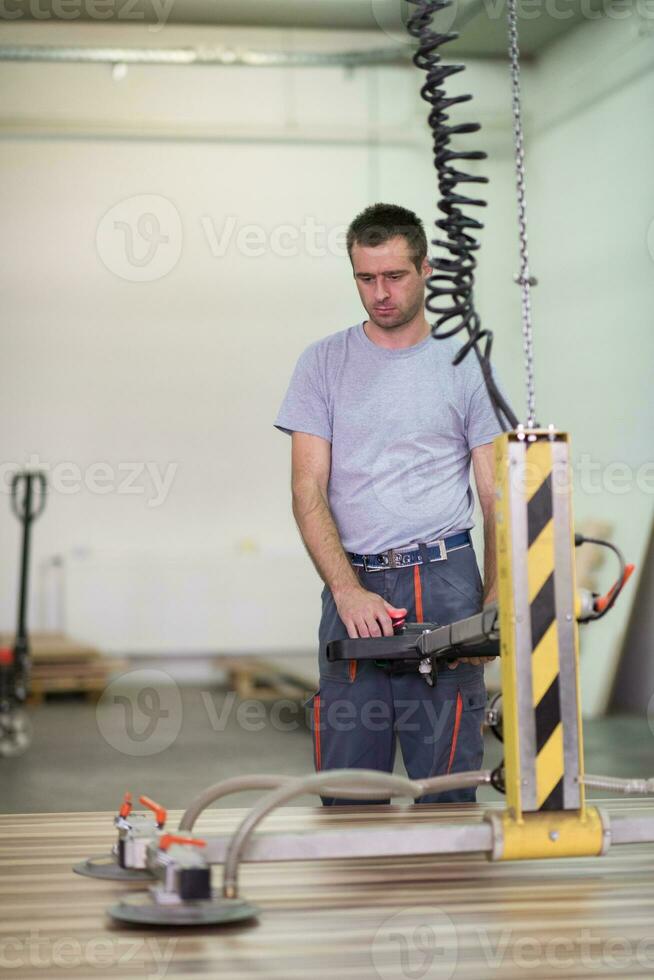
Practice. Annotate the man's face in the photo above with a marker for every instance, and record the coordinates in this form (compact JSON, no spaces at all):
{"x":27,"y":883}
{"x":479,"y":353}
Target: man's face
{"x":392,"y":290}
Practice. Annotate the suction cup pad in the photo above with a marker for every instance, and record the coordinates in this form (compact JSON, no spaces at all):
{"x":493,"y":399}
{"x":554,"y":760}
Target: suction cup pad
{"x":141,"y":909}
{"x":105,"y":866}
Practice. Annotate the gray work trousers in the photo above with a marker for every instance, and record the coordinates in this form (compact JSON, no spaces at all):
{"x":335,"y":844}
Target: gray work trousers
{"x":360,"y":710}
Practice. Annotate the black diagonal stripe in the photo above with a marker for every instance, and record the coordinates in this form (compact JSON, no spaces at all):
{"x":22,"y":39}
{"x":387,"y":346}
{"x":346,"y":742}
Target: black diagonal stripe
{"x":539,"y":510}
{"x":542,"y":611}
{"x":548,"y":714}
{"x":555,"y":800}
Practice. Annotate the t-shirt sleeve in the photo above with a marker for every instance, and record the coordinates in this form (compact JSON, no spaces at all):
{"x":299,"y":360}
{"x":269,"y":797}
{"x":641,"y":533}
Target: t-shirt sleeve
{"x":305,"y":407}
{"x":481,"y":421}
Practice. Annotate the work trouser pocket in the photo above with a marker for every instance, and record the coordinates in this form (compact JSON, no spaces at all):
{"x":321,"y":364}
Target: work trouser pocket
{"x":467,"y":741}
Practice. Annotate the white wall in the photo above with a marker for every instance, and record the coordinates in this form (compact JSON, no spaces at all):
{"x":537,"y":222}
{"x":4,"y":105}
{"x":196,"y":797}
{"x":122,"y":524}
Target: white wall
{"x":187,"y":371}
{"x":591,"y":208}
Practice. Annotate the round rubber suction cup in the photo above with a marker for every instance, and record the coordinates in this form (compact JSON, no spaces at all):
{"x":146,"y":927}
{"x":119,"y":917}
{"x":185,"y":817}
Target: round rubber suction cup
{"x":106,"y":866}
{"x":140,"y":908}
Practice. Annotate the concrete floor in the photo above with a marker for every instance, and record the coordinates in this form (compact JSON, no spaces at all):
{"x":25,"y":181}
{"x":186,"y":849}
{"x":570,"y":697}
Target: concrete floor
{"x":81,"y":759}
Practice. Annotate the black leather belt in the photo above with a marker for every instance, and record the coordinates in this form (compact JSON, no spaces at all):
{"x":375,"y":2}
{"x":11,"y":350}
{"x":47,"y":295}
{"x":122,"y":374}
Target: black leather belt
{"x":418,"y":556}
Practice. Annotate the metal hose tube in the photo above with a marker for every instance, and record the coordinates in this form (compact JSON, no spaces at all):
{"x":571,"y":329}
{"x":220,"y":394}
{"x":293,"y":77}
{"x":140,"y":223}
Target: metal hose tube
{"x":333,"y":783}
{"x":236,"y":784}
{"x":455,"y":780}
{"x":613,"y":784}
{"x":344,"y":778}
{"x":242,"y":784}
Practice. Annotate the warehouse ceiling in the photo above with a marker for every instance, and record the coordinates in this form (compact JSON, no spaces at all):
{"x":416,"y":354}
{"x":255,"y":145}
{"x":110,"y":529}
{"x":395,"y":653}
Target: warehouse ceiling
{"x":482,"y":22}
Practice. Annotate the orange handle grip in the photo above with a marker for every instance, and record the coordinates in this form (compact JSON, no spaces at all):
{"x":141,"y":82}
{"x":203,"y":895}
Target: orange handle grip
{"x":126,"y":805}
{"x":160,"y":813}
{"x":167,"y":839}
{"x":603,"y":601}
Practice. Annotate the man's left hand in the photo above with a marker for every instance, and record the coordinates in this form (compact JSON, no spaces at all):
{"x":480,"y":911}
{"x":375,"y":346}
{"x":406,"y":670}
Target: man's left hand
{"x":490,"y":596}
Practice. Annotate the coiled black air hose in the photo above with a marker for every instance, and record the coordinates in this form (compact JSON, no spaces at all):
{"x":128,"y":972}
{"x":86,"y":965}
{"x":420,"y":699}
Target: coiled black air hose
{"x":450,"y":288}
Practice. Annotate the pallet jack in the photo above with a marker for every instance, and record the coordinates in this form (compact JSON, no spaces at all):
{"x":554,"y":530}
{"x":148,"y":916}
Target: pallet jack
{"x":28,"y":496}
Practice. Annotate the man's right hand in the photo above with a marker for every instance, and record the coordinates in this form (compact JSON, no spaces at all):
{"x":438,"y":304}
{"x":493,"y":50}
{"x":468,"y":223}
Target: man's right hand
{"x":365,"y":613}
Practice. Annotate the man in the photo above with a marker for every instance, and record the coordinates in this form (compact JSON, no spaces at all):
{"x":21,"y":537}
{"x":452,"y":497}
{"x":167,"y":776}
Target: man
{"x":384,"y":429}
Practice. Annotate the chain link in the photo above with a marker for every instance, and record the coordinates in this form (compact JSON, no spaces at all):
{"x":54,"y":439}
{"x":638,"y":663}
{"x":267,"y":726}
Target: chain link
{"x":524,"y":279}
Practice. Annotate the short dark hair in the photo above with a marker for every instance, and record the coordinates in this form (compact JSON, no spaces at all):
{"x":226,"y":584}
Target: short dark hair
{"x":380,"y":222}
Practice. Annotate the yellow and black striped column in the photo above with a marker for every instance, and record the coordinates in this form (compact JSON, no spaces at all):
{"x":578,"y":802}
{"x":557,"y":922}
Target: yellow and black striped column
{"x":545,"y":678}
{"x":539,"y":643}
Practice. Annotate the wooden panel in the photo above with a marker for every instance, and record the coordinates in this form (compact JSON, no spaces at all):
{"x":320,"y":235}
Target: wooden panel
{"x":332,"y":920}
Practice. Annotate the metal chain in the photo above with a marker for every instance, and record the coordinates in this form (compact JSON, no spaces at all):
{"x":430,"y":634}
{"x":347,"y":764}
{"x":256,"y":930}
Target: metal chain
{"x":524,"y":279}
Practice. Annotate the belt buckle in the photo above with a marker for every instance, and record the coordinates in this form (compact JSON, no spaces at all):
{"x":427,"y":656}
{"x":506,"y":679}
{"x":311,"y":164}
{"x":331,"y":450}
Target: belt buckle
{"x":386,"y":557}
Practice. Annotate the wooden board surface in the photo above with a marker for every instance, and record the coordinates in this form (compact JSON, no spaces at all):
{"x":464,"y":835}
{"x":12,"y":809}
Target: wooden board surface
{"x":410,"y":919}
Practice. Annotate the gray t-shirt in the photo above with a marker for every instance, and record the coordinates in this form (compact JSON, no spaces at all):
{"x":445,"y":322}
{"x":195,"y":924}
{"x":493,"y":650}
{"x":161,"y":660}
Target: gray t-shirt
{"x":401,"y":424}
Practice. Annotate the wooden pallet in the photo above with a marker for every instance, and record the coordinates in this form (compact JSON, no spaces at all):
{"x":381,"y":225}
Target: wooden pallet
{"x":74,"y":677}
{"x":269,"y":678}
{"x":60,"y":665}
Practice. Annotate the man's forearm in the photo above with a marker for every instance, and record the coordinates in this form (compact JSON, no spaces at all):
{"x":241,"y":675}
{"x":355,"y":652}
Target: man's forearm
{"x":322,"y":540}
{"x":490,"y":556}
{"x":483,"y":461}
